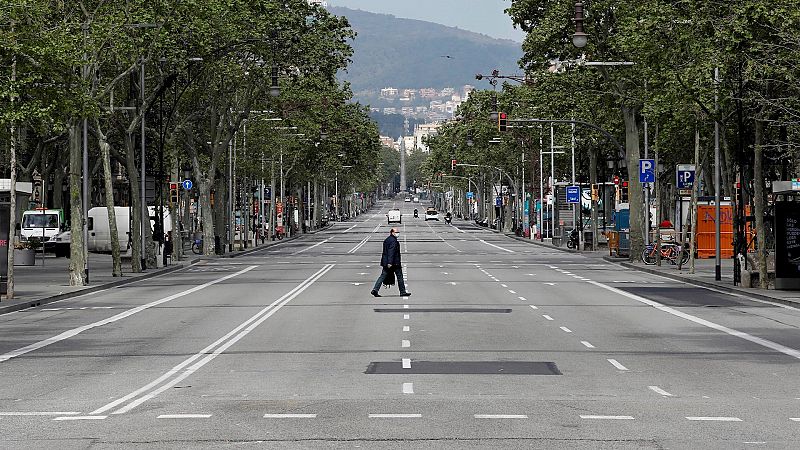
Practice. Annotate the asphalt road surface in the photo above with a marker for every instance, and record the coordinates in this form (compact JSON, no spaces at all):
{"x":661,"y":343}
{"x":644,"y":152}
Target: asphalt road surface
{"x":503,"y":344}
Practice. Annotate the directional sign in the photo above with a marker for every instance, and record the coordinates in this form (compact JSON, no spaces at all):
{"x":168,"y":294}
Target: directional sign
{"x":647,"y":171}
{"x":187,"y":185}
{"x":684,"y":174}
{"x":573,"y":194}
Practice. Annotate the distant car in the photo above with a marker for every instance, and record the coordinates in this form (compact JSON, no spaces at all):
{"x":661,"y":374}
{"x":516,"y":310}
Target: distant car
{"x":59,"y":244}
{"x":407,"y":199}
{"x":416,"y":199}
{"x":431,"y":214}
{"x":394,"y":216}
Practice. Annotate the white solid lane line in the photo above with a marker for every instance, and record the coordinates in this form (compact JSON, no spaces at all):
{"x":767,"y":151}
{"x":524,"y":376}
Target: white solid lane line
{"x":406,"y":363}
{"x":715,"y":419}
{"x":566,"y":330}
{"x":395,"y":416}
{"x":659,"y":391}
{"x":498,"y":247}
{"x":405,"y":343}
{"x":207,"y":354}
{"x":76,"y":331}
{"x":80,"y":418}
{"x":309,"y":248}
{"x":290,"y":416}
{"x":501,"y":416}
{"x":616,"y":364}
{"x":607,"y":417}
{"x":184,"y":416}
{"x":706,"y":323}
{"x":408,"y":388}
{"x":348,"y":230}
{"x":587,"y":344}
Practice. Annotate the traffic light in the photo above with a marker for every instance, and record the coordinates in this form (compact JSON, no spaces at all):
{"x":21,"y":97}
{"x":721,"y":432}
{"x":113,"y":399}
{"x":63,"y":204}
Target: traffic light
{"x":502,"y":122}
{"x":173,"y":193}
{"x":624,"y":192}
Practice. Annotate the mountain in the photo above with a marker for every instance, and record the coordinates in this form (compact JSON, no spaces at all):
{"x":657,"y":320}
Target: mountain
{"x":406,"y":53}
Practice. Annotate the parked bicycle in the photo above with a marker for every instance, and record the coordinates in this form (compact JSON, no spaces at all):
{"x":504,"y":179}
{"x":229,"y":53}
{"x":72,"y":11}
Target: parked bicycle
{"x":670,"y":251}
{"x":197,"y":246}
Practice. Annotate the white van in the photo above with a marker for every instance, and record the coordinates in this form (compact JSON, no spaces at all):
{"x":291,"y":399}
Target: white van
{"x":394,"y":216}
{"x":41,"y":223}
{"x":100,"y":232}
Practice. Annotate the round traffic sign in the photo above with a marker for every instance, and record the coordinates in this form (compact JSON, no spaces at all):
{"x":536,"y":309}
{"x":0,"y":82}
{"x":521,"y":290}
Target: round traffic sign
{"x":187,"y":184}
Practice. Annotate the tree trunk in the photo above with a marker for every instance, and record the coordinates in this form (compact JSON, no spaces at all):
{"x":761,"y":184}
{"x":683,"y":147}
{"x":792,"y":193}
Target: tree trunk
{"x":77,"y":262}
{"x":105,"y":154}
{"x":177,"y":219}
{"x":12,"y":213}
{"x":207,"y":214}
{"x":592,"y":183}
{"x":58,"y":181}
{"x":635,"y":195}
{"x":695,"y":189}
{"x":220,"y":219}
{"x":136,"y":207}
{"x":759,"y":196}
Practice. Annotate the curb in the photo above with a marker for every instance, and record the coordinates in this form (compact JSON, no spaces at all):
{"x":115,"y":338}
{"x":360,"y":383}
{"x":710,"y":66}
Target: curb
{"x":701,"y":283}
{"x":43,"y":301}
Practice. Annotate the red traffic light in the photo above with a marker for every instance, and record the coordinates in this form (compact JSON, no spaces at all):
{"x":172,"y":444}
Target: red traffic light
{"x":173,"y":185}
{"x":624,"y":184}
{"x":502,"y":121}
{"x":616,"y":180}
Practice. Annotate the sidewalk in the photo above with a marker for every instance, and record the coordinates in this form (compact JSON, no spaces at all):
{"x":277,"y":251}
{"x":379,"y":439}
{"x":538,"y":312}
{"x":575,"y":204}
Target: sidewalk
{"x":48,"y":280}
{"x":703,"y":276}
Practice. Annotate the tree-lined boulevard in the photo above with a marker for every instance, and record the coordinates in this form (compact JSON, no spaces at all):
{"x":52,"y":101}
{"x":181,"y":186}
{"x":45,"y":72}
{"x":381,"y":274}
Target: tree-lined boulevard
{"x":503,"y":344}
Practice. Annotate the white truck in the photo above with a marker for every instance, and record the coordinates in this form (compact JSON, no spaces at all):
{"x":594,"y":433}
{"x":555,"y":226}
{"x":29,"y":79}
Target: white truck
{"x":41,"y":223}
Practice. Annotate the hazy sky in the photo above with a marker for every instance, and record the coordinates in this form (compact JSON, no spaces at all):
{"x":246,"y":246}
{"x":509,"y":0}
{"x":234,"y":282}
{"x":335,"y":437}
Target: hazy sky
{"x":482,"y":16}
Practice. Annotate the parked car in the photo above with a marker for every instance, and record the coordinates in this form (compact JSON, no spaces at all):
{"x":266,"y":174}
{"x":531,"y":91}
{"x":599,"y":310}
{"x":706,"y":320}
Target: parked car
{"x":431,"y":214}
{"x":407,"y":199}
{"x":394,"y":216}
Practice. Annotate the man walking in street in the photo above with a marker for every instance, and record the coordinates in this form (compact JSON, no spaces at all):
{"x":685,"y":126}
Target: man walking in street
{"x":390,"y":262}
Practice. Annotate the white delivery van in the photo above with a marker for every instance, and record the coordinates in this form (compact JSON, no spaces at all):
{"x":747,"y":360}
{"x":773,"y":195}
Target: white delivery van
{"x":153,"y":211}
{"x":394,"y":216}
{"x":100,"y":232}
{"x":41,"y":223}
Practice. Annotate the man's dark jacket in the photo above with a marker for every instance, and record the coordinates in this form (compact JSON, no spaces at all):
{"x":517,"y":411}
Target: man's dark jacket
{"x":391,"y":252}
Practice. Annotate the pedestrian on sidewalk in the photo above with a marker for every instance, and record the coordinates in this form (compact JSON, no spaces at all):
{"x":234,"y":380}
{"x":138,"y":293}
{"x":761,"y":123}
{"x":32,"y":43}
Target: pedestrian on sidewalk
{"x":390,"y":262}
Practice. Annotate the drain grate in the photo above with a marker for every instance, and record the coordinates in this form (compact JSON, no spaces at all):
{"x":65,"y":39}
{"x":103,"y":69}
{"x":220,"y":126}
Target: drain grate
{"x":465,"y":368}
{"x":445,"y":310}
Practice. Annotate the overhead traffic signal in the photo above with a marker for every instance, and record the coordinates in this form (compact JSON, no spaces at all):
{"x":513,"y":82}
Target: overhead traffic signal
{"x":502,"y":122}
{"x":624,"y":192}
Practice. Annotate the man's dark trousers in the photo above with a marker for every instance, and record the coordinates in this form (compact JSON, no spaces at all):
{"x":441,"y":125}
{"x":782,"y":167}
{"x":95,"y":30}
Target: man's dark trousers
{"x":398,"y":272}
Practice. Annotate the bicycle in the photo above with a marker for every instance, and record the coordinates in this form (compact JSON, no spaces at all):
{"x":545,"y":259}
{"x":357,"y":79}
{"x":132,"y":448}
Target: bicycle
{"x":197,"y":246}
{"x":669,"y":251}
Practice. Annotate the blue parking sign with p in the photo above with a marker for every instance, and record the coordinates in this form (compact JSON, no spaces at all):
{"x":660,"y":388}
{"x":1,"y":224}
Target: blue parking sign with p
{"x":647,"y":171}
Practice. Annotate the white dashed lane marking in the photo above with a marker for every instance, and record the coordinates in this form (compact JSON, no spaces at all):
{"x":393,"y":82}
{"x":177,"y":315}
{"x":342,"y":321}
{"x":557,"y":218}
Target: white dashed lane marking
{"x":607,"y":417}
{"x":547,"y":317}
{"x":80,"y":418}
{"x":587,"y":344}
{"x":566,"y":330}
{"x":500,"y":416}
{"x":184,"y":416}
{"x":659,"y":391}
{"x":395,"y":416}
{"x":290,"y":416}
{"x":408,"y":388}
{"x":616,"y":364}
{"x":406,"y":363}
{"x":715,"y":419}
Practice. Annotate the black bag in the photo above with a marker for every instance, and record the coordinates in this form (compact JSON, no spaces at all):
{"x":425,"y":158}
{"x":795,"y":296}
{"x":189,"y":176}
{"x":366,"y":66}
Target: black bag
{"x":390,"y":279}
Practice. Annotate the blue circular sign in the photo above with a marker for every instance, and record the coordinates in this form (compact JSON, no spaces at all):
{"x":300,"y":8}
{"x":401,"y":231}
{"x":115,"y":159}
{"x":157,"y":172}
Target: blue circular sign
{"x":187,"y":184}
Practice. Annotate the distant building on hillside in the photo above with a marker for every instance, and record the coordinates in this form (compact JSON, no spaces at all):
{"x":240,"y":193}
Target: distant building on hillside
{"x":390,"y":110}
{"x":428,"y":93}
{"x":447,"y":92}
{"x":387,"y":141}
{"x":389,"y":92}
{"x":422,"y":132}
{"x":322,"y":3}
